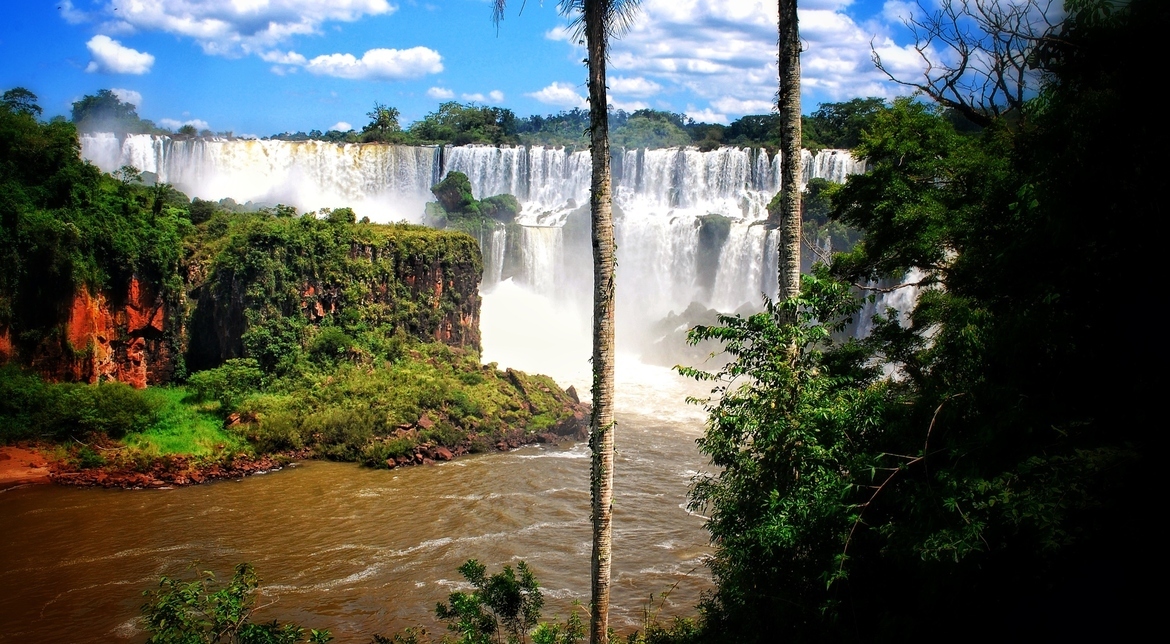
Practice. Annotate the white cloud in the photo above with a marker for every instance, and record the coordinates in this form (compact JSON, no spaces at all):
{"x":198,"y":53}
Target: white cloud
{"x":723,"y":52}
{"x":229,"y":27}
{"x":737,"y":106}
{"x":341,"y":126}
{"x":72,"y":15}
{"x":441,"y":93}
{"x":495,"y":95}
{"x":128,"y":96}
{"x":283,"y":58}
{"x":562,"y":32}
{"x":898,"y":10}
{"x":379,"y":64}
{"x":174,"y":124}
{"x":636,"y":86}
{"x":631,"y":106}
{"x":561,"y":95}
{"x":706,"y":115}
{"x":110,"y":56}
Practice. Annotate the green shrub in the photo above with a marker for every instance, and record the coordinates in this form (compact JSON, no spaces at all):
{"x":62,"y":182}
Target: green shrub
{"x":330,"y":345}
{"x":201,"y":611}
{"x":228,"y":384}
{"x":376,"y":454}
{"x":111,"y":408}
{"x":507,"y":602}
{"x":32,"y":408}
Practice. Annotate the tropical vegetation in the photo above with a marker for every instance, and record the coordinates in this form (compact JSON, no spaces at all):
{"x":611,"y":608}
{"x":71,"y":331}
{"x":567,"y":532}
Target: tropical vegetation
{"x":976,"y":465}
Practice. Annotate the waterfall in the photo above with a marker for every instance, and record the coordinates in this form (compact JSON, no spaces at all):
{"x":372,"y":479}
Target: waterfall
{"x":385,"y":182}
{"x":688,"y":223}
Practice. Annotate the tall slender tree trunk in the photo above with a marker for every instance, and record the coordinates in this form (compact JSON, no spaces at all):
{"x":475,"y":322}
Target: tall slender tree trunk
{"x":602,"y":423}
{"x":790,"y":163}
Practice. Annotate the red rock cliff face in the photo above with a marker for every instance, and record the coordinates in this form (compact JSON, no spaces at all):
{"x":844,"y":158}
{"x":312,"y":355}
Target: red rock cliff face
{"x":108,"y":336}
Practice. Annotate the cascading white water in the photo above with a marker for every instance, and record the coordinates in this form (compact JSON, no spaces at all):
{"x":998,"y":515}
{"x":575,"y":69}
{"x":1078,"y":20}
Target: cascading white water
{"x":663,"y":199}
{"x":385,"y":182}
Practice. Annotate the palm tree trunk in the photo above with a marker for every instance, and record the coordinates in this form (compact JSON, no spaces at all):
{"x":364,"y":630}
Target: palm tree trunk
{"x":602,"y":423}
{"x":790,"y":163}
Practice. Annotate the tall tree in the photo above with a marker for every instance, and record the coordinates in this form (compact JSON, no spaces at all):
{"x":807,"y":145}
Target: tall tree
{"x":788,"y":104}
{"x":597,"y":21}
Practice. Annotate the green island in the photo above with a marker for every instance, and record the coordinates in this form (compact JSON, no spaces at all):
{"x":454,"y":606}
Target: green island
{"x":262,"y":335}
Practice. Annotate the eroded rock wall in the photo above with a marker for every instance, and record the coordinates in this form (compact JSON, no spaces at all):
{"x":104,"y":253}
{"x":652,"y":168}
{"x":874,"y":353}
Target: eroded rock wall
{"x":114,"y":334}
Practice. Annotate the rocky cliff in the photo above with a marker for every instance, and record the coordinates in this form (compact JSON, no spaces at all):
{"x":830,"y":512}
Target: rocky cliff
{"x":113,"y":334}
{"x":387,"y":279}
{"x":278,"y":277}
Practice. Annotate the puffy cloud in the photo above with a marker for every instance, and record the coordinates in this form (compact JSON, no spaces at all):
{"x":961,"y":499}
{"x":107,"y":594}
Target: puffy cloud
{"x":560,"y":95}
{"x":724,"y":52}
{"x":110,"y":56}
{"x":283,"y":58}
{"x":341,"y":126}
{"x":737,"y":106}
{"x":562,"y":32}
{"x":636,"y":86}
{"x":228,"y":27}
{"x":379,"y":64}
{"x":174,"y":124}
{"x":706,"y":116}
{"x":128,"y":96}
{"x":478,"y":97}
{"x":73,"y":15}
{"x":630,"y":106}
{"x":441,"y":93}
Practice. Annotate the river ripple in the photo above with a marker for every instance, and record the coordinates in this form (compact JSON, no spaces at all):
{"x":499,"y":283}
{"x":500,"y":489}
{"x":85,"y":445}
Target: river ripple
{"x":356,"y":550}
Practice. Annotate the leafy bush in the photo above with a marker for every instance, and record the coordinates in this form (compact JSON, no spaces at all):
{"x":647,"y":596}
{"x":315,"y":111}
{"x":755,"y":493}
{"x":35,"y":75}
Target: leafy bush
{"x":201,"y":611}
{"x":329,"y":345}
{"x":32,"y":408}
{"x":229,"y":384}
{"x":503,"y":607}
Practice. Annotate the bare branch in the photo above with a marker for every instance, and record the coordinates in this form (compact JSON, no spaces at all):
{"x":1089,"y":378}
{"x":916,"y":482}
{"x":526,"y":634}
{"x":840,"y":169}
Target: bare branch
{"x":976,"y":53}
{"x":891,"y":289}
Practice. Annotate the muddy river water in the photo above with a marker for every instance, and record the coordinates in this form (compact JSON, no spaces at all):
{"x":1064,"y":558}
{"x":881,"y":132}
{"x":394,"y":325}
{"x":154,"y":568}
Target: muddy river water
{"x":362,"y":551}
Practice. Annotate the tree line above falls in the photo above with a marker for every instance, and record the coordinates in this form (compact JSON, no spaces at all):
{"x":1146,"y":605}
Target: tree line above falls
{"x":832,"y":125}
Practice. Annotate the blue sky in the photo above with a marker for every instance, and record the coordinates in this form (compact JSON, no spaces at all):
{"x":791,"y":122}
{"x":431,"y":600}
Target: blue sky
{"x":265,"y":66}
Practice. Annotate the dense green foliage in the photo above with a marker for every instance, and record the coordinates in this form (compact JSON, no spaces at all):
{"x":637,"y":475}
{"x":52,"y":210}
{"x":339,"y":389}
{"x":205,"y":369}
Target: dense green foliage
{"x":383,"y":126}
{"x":501,"y":609}
{"x":202,"y":611}
{"x":650,"y":129}
{"x":261,"y":266}
{"x":833,"y":125}
{"x":64,"y":224}
{"x":983,"y":461}
{"x":105,"y":112}
{"x":457,"y":207}
{"x":31,"y":408}
{"x":374,"y":409}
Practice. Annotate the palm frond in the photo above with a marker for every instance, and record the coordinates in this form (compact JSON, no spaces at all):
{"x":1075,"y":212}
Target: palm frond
{"x":619,"y":15}
{"x":498,"y":7}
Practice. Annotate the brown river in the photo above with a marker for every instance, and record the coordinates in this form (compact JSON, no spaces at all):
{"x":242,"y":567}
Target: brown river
{"x":362,"y":551}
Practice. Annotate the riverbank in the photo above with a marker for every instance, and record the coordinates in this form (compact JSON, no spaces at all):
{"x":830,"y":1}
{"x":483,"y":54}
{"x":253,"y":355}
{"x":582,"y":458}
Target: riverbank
{"x":122,"y":467}
{"x":22,"y":466}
